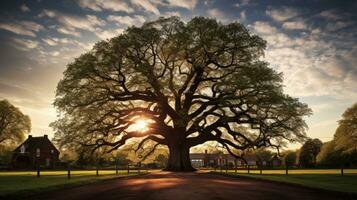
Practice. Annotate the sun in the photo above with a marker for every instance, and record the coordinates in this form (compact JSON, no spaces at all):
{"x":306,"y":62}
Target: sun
{"x":140,"y":124}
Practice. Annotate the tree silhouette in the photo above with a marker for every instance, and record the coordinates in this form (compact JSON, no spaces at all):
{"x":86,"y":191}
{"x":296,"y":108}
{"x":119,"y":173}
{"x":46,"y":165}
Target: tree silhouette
{"x":192,"y":82}
{"x":309,"y":152}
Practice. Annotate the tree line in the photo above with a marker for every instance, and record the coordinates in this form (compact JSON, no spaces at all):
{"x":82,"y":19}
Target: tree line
{"x":341,"y":151}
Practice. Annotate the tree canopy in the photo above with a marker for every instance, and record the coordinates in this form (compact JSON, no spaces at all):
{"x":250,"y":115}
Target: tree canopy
{"x":14,"y":125}
{"x":342,"y":150}
{"x":191,"y":82}
{"x":309,"y":152}
{"x":346,"y":133}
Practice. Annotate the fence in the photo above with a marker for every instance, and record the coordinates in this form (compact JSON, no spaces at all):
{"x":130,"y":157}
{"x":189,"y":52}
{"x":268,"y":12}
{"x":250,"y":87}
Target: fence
{"x":281,"y":170}
{"x":130,"y":168}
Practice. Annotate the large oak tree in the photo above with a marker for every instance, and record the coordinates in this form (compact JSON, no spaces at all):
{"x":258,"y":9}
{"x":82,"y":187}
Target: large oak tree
{"x":192,"y":82}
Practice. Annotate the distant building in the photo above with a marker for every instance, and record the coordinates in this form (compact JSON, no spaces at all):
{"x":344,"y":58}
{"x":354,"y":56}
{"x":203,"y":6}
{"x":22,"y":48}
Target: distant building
{"x":35,"y":150}
{"x":219,"y":159}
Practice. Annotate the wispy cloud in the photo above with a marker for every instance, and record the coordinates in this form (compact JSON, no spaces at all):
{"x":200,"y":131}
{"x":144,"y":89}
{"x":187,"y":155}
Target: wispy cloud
{"x":282,"y":14}
{"x":68,"y":31}
{"x":188,"y":4}
{"x":218,"y":14}
{"x":25,"y":44}
{"x":146,"y":5}
{"x":331,"y":14}
{"x":100,"y":5}
{"x":136,"y":20}
{"x":27,"y":28}
{"x":88,"y":22}
{"x":294,"y":25}
{"x":107,"y":34}
{"x":24,"y":8}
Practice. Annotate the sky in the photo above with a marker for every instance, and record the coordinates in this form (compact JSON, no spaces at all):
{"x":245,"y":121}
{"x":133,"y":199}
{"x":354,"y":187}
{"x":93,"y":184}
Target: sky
{"x":313,"y":43}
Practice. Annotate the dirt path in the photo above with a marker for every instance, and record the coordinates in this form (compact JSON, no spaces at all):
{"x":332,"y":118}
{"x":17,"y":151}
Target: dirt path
{"x":186,"y":186}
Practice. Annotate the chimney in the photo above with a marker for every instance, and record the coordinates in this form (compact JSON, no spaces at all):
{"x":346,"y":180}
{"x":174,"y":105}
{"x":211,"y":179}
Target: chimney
{"x":45,"y":136}
{"x":30,"y":136}
{"x":206,"y":151}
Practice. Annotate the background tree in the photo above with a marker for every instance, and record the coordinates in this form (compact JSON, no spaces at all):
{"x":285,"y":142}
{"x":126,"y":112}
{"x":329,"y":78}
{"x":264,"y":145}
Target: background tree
{"x":342,"y":150}
{"x":309,"y":152}
{"x":290,"y":158}
{"x":328,"y":156}
{"x":161,"y":160}
{"x":184,"y":85}
{"x":346,"y":134}
{"x":122,"y":158}
{"x":14,"y":125}
{"x":263,"y":155}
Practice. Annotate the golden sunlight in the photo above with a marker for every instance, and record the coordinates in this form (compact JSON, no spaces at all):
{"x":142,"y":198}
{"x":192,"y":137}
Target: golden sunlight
{"x":140,"y":124}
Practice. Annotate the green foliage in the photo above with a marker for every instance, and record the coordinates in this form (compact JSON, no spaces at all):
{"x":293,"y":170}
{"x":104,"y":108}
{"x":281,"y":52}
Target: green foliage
{"x":122,"y":158}
{"x":290,"y":158}
{"x":14,"y":125}
{"x":5,"y":154}
{"x":263,"y":154}
{"x":342,"y":150}
{"x":309,"y":152}
{"x":346,"y":134}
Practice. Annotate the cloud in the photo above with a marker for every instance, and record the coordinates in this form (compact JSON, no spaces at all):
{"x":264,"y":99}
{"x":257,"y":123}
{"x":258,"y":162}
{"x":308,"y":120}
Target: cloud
{"x":24,"y":8}
{"x":100,"y":5}
{"x":136,"y":20}
{"x":218,"y":14}
{"x":264,"y":28}
{"x":20,"y":95}
{"x":331,"y":14}
{"x":56,"y":41}
{"x":335,"y":26}
{"x":188,"y":4}
{"x":151,"y":6}
{"x":27,"y":28}
{"x":242,"y":3}
{"x":171,"y":14}
{"x":25,"y":44}
{"x":107,"y":34}
{"x":69,"y":31}
{"x":70,"y":22}
{"x":282,"y":14}
{"x":242,"y":16}
{"x":146,"y":5}
{"x":294,"y":25}
{"x":55,"y":53}
{"x":311,"y":64}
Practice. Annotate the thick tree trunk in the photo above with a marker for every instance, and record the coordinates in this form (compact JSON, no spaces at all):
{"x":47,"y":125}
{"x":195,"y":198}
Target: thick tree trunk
{"x":179,"y":159}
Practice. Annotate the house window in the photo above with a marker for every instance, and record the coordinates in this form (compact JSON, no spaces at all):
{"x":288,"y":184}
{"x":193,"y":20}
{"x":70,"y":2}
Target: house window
{"x":52,"y":151}
{"x":197,"y":162}
{"x":22,"y":149}
{"x":38,"y":152}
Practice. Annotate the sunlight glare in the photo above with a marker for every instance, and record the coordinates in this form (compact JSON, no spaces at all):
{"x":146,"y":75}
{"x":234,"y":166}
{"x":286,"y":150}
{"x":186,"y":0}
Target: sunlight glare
{"x":140,"y":125}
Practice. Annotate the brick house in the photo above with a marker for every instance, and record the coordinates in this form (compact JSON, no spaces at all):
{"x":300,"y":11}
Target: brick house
{"x":220,"y":159}
{"x":33,"y":151}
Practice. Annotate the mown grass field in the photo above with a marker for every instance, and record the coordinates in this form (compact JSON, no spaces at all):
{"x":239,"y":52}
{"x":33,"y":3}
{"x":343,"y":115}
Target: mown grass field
{"x":327,"y":179}
{"x":26,"y":183}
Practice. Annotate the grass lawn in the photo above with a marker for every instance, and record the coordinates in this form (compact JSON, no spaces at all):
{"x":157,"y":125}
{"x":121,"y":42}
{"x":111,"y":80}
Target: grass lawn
{"x":328,"y":179}
{"x":26,"y":183}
